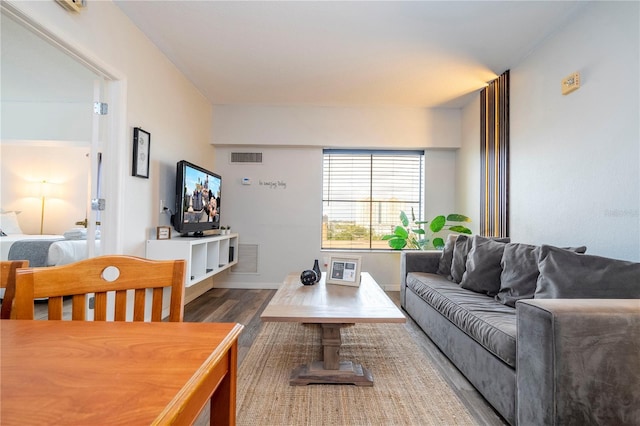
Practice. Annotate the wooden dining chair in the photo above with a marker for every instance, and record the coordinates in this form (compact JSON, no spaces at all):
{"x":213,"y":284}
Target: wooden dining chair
{"x":100,"y":275}
{"x":8,"y":282}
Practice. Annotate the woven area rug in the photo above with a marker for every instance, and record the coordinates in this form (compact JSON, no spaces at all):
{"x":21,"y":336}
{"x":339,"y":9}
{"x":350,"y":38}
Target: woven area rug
{"x":407,"y":389}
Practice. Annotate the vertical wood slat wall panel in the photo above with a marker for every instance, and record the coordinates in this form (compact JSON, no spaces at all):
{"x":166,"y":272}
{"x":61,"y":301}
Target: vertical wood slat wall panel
{"x":494,"y":154}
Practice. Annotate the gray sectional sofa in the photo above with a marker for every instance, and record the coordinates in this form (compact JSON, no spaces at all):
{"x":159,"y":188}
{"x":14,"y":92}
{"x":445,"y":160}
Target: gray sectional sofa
{"x":547,"y":335}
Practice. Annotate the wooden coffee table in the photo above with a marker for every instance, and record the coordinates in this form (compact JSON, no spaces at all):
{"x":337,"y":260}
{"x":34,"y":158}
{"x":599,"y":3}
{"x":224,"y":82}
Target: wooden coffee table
{"x":333,"y":307}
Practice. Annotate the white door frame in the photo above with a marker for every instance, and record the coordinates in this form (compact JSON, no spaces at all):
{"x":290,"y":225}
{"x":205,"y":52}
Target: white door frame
{"x":115,"y":155}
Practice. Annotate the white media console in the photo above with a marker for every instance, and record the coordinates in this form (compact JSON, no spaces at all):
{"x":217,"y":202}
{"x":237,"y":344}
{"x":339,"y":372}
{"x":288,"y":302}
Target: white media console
{"x":205,"y":256}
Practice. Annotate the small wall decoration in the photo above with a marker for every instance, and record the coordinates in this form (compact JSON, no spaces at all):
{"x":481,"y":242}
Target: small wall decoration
{"x":344,"y":270}
{"x":141,"y":153}
{"x":163,"y":232}
{"x":273,"y":184}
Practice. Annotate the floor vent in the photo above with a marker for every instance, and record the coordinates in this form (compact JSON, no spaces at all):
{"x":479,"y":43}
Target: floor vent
{"x":246,"y":157}
{"x":247,"y":259}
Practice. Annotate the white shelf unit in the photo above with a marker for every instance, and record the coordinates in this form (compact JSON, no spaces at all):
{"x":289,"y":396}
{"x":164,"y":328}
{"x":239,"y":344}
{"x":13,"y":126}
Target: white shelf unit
{"x":205,"y":256}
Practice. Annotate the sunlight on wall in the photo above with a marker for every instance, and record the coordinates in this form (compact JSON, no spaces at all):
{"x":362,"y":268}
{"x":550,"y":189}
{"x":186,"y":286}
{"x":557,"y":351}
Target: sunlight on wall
{"x":66,"y":171}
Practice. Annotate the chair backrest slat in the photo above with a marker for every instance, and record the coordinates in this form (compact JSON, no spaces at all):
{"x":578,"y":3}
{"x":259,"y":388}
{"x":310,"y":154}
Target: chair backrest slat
{"x":156,"y":311}
{"x":101,"y":276}
{"x":139,"y":305}
{"x":100,"y":306}
{"x":121,"y":306}
{"x":79,"y":302}
{"x":8,"y":282}
{"x":55,"y":308}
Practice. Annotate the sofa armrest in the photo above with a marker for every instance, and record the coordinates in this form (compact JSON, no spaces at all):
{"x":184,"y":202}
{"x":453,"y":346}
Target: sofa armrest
{"x":417,"y":261}
{"x":578,"y":361}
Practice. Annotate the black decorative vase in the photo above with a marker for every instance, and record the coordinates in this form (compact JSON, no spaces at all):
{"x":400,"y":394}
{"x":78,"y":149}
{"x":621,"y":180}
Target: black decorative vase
{"x":316,"y":268}
{"x":308,"y":277}
{"x":311,"y":276}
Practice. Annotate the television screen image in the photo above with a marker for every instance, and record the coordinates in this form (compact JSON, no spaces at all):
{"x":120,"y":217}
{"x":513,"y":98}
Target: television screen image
{"x":197,"y":199}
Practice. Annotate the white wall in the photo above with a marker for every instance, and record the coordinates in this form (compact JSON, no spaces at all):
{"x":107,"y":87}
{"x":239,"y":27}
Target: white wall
{"x":286,"y":221}
{"x":25,"y":166}
{"x":158,"y":98}
{"x":37,"y":121}
{"x":355,"y":127}
{"x":575,"y":169}
{"x":468,"y":165}
{"x":46,"y":95}
{"x":575,"y":160}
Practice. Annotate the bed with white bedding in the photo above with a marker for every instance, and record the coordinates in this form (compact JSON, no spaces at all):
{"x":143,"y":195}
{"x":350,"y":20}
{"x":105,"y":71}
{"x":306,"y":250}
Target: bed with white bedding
{"x":7,"y":242}
{"x":59,"y":251}
{"x":42,"y":250}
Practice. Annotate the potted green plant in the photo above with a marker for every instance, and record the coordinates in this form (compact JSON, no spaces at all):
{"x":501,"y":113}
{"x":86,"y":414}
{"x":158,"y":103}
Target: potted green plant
{"x":410,"y":234}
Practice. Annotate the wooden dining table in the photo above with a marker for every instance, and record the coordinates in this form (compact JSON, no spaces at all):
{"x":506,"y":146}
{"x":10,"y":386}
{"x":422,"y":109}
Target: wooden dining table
{"x":110,"y":373}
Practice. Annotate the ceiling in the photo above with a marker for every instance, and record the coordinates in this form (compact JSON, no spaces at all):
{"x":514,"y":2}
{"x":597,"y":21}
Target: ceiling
{"x":345,"y":53}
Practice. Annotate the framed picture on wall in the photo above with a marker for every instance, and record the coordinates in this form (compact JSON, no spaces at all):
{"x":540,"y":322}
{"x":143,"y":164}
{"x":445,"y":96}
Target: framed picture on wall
{"x":344,"y":270}
{"x":141,"y":153}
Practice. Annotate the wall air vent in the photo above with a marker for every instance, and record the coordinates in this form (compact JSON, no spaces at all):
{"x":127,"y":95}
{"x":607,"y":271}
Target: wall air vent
{"x":72,"y":5}
{"x":246,"y":158}
{"x":247,"y":259}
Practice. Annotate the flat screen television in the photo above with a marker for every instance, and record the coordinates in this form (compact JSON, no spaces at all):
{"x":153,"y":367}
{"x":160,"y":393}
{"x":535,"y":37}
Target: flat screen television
{"x":197,"y":200}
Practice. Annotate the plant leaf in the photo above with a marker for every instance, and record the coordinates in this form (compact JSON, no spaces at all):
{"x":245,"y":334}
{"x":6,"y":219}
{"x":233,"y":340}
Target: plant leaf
{"x":437,"y":223}
{"x":438,"y":243}
{"x":400,"y":232}
{"x":397,"y":243}
{"x":460,"y":229}
{"x":418,"y":231}
{"x":455,"y":217}
{"x":388,"y":237}
{"x":404,"y":219}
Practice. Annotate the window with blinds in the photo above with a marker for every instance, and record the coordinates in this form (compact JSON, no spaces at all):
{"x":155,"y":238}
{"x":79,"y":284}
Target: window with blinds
{"x":364,"y":192}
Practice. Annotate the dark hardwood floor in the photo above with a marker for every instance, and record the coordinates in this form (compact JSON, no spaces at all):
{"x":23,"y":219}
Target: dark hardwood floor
{"x":231,"y":305}
{"x":245,"y":307}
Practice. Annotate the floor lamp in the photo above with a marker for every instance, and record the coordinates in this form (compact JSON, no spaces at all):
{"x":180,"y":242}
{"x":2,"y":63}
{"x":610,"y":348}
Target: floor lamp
{"x":43,"y":186}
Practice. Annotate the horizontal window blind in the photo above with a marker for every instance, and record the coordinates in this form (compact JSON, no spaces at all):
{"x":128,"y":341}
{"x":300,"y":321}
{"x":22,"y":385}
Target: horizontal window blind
{"x":364,"y":192}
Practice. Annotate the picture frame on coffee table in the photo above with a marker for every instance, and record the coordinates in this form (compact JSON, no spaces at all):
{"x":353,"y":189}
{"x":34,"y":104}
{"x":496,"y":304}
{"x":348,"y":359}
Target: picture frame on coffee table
{"x":344,"y":270}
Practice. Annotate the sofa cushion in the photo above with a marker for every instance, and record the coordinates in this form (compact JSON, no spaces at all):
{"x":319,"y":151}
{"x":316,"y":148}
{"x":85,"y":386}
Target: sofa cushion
{"x":491,"y":324}
{"x":568,"y":275}
{"x":461,"y":249}
{"x":444,"y":266}
{"x":520,"y":272}
{"x":482,"y":270}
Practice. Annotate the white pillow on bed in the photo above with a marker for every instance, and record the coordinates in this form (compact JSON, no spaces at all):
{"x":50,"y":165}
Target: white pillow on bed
{"x":9,"y":223}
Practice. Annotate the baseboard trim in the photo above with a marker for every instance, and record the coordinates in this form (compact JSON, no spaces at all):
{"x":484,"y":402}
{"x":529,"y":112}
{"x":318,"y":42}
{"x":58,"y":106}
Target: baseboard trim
{"x":248,"y":286}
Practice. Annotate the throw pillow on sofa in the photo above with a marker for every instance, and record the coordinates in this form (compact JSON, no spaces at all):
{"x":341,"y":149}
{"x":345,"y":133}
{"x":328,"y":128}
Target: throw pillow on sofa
{"x":567,"y":275}
{"x":444,"y":265}
{"x":519,"y":275}
{"x":482,"y":269}
{"x":461,"y":249}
